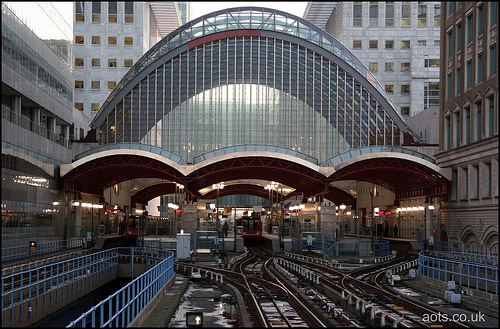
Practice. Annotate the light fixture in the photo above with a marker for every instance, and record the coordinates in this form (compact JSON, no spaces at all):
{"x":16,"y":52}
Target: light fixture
{"x":348,"y":213}
{"x":421,"y":208}
{"x":75,"y":203}
{"x":343,"y":207}
{"x":212,"y":206}
{"x":173,"y":206}
{"x":302,"y":206}
{"x":56,"y":203}
{"x":431,"y":207}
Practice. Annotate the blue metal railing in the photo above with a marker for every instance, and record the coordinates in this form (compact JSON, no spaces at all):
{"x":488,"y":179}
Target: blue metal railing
{"x":467,"y":270}
{"x":350,"y":248}
{"x":42,"y":284}
{"x":17,"y":252}
{"x":121,"y":308}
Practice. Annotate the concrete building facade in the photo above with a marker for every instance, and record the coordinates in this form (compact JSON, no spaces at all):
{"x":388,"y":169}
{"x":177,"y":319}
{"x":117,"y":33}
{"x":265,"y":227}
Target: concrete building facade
{"x":469,"y":122}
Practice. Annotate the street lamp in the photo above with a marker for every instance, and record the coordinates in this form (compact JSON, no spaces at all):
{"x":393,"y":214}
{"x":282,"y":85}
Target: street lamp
{"x":218,"y":186}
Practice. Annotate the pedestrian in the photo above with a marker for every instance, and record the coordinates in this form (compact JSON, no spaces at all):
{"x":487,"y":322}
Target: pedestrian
{"x":225,"y":228}
{"x":395,"y":231}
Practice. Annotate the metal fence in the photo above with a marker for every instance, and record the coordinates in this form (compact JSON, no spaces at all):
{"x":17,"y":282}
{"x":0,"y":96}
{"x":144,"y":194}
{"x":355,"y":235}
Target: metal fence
{"x":474,"y":271}
{"x":17,"y":252}
{"x":120,"y":309}
{"x":348,"y":248}
{"x":34,"y":292}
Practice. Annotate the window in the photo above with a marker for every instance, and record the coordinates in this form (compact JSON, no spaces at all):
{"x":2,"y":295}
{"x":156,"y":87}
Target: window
{"x":128,"y":62}
{"x":112,"y":62}
{"x":79,"y":106}
{"x":458,"y":130}
{"x":373,"y":66}
{"x":128,"y":41}
{"x":448,"y":132}
{"x":389,"y":14}
{"x":467,"y":126}
{"x":389,"y":89}
{"x":437,"y":42}
{"x":373,"y":44}
{"x":129,"y":12}
{"x":96,"y":62}
{"x":389,"y":44}
{"x":96,"y":40}
{"x":112,"y":41}
{"x":79,"y":62}
{"x":479,"y":121}
{"x":468,"y":75}
{"x":94,"y":107}
{"x":406,"y":14}
{"x":487,"y":175}
{"x":422,"y":42}
{"x":111,"y":85}
{"x":405,"y":110}
{"x":449,"y":86}
{"x":389,"y":67}
{"x":450,"y":8}
{"x":357,"y":44}
{"x":357,"y":14}
{"x":480,"y":20}
{"x":454,"y":185}
{"x":96,"y":85}
{"x":373,"y":14}
{"x":405,"y":67}
{"x":79,"y":84}
{"x":422,"y":14}
{"x":432,"y":62}
{"x":479,"y":68}
{"x":112,"y":12}
{"x":405,"y":44}
{"x":79,"y":39}
{"x":431,"y":94}
{"x":459,"y":80}
{"x":437,"y":15}
{"x":405,"y":89}
{"x":492,"y":66}
{"x":469,"y":27}
{"x":475,"y":172}
{"x":459,"y":37}
{"x":493,"y":13}
{"x":80,"y":11}
{"x":491,"y":116}
{"x":96,"y":11}
{"x":449,"y":44}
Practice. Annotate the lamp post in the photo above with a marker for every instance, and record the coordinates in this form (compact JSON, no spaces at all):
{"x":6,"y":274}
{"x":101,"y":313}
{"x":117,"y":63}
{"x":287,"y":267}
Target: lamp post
{"x":218,"y":186}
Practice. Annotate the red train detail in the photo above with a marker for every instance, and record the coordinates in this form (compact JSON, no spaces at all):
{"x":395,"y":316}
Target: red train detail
{"x":252,"y":227}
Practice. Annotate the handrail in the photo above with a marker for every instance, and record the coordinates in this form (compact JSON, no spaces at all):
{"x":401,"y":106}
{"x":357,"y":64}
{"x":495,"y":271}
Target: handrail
{"x":12,"y":253}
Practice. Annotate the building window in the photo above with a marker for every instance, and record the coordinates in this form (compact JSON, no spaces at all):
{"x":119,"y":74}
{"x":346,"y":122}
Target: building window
{"x":422,"y":43}
{"x":373,"y":14}
{"x":373,"y":44}
{"x":449,"y":87}
{"x":357,"y":44}
{"x":405,"y":89}
{"x":94,"y":107}
{"x":389,"y":14}
{"x":389,"y":67}
{"x":479,"y":68}
{"x":405,"y":110}
{"x":79,"y":62}
{"x":437,"y":15}
{"x":405,"y":44}
{"x":493,"y":13}
{"x":459,"y":80}
{"x":129,"y":12}
{"x":479,"y":121}
{"x":459,"y":37}
{"x":450,"y":8}
{"x":389,"y":44}
{"x":79,"y":84}
{"x":491,"y":116}
{"x":448,"y":132}
{"x":470,"y":28}
{"x":389,"y":89}
{"x":406,"y":14}
{"x":96,"y":85}
{"x":79,"y":39}
{"x":492,"y":65}
{"x":111,"y":85}
{"x":80,"y":11}
{"x":467,"y":124}
{"x":405,"y":67}
{"x":458,"y":130}
{"x":96,"y":40}
{"x":96,"y":11}
{"x":468,"y":75}
{"x":480,"y":20}
{"x":449,"y":44}
{"x":112,"y":62}
{"x":112,"y":41}
{"x":128,"y":62}
{"x":79,"y":106}
{"x":112,"y":18}
{"x":431,"y":94}
{"x":373,"y":66}
{"x":454,"y":185}
{"x":475,"y":172}
{"x":487,"y":175}
{"x":437,"y":42}
{"x":431,"y":62}
{"x":128,"y":41}
{"x":96,"y":62}
{"x":422,"y":14}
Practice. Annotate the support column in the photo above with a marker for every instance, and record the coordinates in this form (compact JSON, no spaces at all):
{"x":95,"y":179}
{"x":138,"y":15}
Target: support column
{"x":16,"y":105}
{"x":35,"y":115}
{"x":328,"y":220}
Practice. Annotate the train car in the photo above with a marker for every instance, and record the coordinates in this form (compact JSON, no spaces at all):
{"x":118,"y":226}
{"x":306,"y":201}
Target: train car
{"x":133,"y":229}
{"x":252,"y":227}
